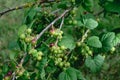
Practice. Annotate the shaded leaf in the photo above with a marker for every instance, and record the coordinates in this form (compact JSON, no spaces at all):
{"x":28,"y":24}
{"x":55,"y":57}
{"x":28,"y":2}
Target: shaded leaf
{"x":94,"y":42}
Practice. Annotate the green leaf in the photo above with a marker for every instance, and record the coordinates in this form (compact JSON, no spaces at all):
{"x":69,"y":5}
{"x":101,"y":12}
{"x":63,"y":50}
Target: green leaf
{"x":42,"y":75}
{"x":94,"y":64}
{"x":113,"y":6}
{"x":88,"y":4}
{"x":90,"y":23}
{"x":94,"y":42}
{"x":68,"y":41}
{"x":116,"y":40}
{"x":22,"y":29}
{"x":69,"y":74}
{"x":79,"y":75}
{"x":107,"y":40}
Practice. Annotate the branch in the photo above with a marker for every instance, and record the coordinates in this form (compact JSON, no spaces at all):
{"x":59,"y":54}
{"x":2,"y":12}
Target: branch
{"x":62,"y":22}
{"x":24,"y":6}
{"x":43,"y":31}
{"x":84,"y":36}
{"x":22,"y":60}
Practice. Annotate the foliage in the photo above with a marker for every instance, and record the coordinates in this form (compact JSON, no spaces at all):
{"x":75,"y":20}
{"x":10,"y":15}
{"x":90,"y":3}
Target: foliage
{"x":57,"y":38}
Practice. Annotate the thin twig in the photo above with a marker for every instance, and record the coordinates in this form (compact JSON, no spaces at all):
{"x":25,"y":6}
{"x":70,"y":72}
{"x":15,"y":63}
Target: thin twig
{"x":13,"y":78}
{"x":45,"y":29}
{"x":62,"y":22}
{"x":84,"y":36}
{"x":24,"y":6}
{"x":22,"y":60}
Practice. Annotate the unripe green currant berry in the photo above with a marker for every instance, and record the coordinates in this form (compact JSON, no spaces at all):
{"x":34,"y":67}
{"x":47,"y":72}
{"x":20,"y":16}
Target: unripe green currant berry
{"x":74,"y":22}
{"x":39,"y":58}
{"x":70,"y":21}
{"x":113,"y":49}
{"x":20,"y":72}
{"x":87,"y":48}
{"x":83,"y":51}
{"x":61,"y":32}
{"x":62,"y":47}
{"x":57,"y":48}
{"x":67,"y":64}
{"x":104,"y":56}
{"x":65,"y":57}
{"x":40,"y":53}
{"x":59,"y":59}
{"x":73,"y":1}
{"x":90,"y":52}
{"x":55,"y":51}
{"x":32,"y":51}
{"x":6,"y":78}
{"x":53,"y":48}
{"x":59,"y":51}
{"x":61,"y":64}
{"x":27,"y":40}
{"x":22,"y":36}
{"x":60,"y":37}
{"x":52,"y":32}
{"x":75,"y":58}
{"x":64,"y":68}
{"x":29,"y":31}
{"x":78,"y":44}
{"x":45,"y":13}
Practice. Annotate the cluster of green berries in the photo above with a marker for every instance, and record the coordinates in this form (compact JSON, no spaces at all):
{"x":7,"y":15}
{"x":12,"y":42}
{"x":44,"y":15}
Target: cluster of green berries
{"x":7,"y":78}
{"x":57,"y":33}
{"x":59,"y":56}
{"x":85,"y":50}
{"x":27,"y":37}
{"x":73,"y":13}
{"x":37,"y":55}
{"x":20,"y":71}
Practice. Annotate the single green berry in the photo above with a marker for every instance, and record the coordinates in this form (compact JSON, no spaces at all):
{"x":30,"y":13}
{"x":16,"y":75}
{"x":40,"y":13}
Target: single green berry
{"x":61,"y":64}
{"x":59,"y":51}
{"x":90,"y":52}
{"x":78,"y":44}
{"x":59,"y":59}
{"x":70,"y":21}
{"x":40,"y":53}
{"x":65,"y":57}
{"x":62,"y":47}
{"x":39,"y":58}
{"x":75,"y":58}
{"x":27,"y":40}
{"x":55,"y":51}
{"x":73,"y":1}
{"x":29,"y":31}
{"x":74,"y":22}
{"x":113,"y":49}
{"x":67,"y":64}
{"x":6,"y":78}
{"x":32,"y":51}
{"x":22,"y":36}
{"x":87,"y":48}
